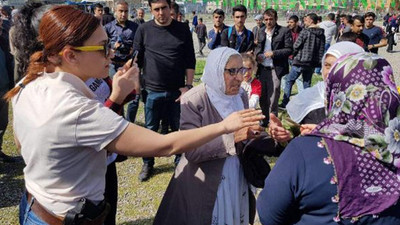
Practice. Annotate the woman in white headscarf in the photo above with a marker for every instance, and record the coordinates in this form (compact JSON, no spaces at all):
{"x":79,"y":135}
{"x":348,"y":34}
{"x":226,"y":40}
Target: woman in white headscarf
{"x":308,"y":107}
{"x":208,"y":186}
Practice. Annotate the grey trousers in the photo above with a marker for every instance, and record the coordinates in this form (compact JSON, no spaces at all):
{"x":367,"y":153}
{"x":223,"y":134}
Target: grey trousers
{"x":270,"y":92}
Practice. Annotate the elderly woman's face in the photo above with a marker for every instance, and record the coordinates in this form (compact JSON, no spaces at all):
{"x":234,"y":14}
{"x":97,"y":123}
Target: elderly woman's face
{"x":328,"y":63}
{"x":233,"y":81}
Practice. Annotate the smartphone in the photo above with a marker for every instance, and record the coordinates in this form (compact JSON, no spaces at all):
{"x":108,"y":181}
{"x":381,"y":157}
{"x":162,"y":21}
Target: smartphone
{"x":135,"y":53}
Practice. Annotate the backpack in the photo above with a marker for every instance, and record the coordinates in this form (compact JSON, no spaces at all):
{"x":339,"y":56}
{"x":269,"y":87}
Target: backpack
{"x":248,"y":34}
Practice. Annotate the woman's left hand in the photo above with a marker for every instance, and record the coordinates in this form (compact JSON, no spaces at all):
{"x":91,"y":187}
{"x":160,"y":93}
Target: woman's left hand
{"x":307,"y":128}
{"x":124,"y":81}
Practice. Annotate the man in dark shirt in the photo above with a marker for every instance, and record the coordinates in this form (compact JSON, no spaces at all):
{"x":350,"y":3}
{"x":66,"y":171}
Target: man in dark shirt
{"x":357,"y":26}
{"x":201,"y":32}
{"x":98,"y":11}
{"x":166,"y":55}
{"x":194,"y":21}
{"x":121,"y":33}
{"x":274,"y":46}
{"x":214,"y":35}
{"x":377,"y":37}
{"x":237,"y":36}
{"x":308,"y":51}
{"x":107,"y":16}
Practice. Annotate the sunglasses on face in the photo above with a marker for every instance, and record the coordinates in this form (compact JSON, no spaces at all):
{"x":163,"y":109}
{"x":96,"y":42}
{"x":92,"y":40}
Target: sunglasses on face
{"x":106,"y":48}
{"x":236,"y":71}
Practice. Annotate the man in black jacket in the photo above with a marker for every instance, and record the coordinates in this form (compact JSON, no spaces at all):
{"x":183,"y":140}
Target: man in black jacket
{"x":274,"y":46}
{"x":238,"y":36}
{"x":308,"y":51}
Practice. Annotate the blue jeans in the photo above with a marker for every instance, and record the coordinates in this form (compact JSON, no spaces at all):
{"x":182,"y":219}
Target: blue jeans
{"x":299,"y":82}
{"x":134,"y":104}
{"x":132,"y":109}
{"x":294,"y":73}
{"x":26,"y":215}
{"x":318,"y":69}
{"x":160,"y":106}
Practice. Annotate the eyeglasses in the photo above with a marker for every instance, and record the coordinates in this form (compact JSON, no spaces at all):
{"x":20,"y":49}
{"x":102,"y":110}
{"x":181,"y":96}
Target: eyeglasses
{"x":236,"y":71}
{"x":106,"y":48}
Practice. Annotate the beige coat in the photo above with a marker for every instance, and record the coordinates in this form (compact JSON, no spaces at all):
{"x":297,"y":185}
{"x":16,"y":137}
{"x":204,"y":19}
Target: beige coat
{"x":192,"y":191}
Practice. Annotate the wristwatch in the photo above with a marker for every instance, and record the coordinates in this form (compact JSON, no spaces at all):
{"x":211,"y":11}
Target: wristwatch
{"x":189,"y":86}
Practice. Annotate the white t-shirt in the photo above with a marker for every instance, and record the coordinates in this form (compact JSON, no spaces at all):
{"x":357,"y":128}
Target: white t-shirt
{"x":102,"y":91}
{"x":63,"y":130}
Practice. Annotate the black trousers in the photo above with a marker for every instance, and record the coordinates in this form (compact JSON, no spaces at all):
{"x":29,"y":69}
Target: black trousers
{"x":270,"y":92}
{"x":111,"y":193}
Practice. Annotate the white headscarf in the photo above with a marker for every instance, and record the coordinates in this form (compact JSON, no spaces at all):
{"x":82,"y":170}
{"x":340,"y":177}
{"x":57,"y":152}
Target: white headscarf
{"x":313,"y":98}
{"x":213,"y":78}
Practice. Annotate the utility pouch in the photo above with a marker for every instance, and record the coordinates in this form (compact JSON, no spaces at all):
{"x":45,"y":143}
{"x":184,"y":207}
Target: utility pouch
{"x":86,"y":212}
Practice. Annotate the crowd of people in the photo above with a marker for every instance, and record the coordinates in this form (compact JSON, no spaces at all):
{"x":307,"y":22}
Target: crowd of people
{"x":69,"y":74}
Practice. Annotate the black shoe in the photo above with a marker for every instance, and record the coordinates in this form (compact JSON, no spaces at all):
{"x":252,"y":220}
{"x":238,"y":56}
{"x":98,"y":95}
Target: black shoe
{"x":146,"y":172}
{"x":6,"y":158}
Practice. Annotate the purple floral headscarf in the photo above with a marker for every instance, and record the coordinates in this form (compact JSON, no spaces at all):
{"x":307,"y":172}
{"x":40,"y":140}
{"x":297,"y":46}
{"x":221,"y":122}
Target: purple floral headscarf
{"x":362,"y":134}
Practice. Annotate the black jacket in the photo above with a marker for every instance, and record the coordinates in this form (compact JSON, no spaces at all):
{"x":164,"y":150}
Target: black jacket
{"x":247,"y":42}
{"x":309,"y":47}
{"x":5,"y":47}
{"x":282,"y":47}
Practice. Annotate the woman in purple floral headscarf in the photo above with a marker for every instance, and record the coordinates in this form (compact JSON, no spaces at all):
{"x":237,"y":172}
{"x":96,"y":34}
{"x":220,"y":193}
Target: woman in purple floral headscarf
{"x":348,"y":169}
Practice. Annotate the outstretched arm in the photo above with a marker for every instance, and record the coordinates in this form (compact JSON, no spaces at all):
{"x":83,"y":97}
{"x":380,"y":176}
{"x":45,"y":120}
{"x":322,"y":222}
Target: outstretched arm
{"x":139,"y":141}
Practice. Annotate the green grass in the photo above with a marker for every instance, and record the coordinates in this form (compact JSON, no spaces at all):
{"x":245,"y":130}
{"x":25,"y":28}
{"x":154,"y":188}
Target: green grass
{"x":138,"y":202}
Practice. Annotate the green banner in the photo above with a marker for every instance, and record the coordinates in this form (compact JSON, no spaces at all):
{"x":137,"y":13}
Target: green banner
{"x":383,"y":4}
{"x":285,"y":5}
{"x":276,"y":4}
{"x":344,"y":3}
{"x":373,"y":5}
{"x":356,"y":3}
{"x":310,"y":4}
{"x":233,"y":3}
{"x":335,"y":3}
{"x":303,"y":4}
{"x":269,"y":4}
{"x":251,"y":4}
{"x":246,"y":3}
{"x":259,"y":5}
{"x":364,"y":3}
{"x":292,"y":4}
{"x":318,"y":4}
{"x":326,"y":4}
{"x":393,"y":3}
